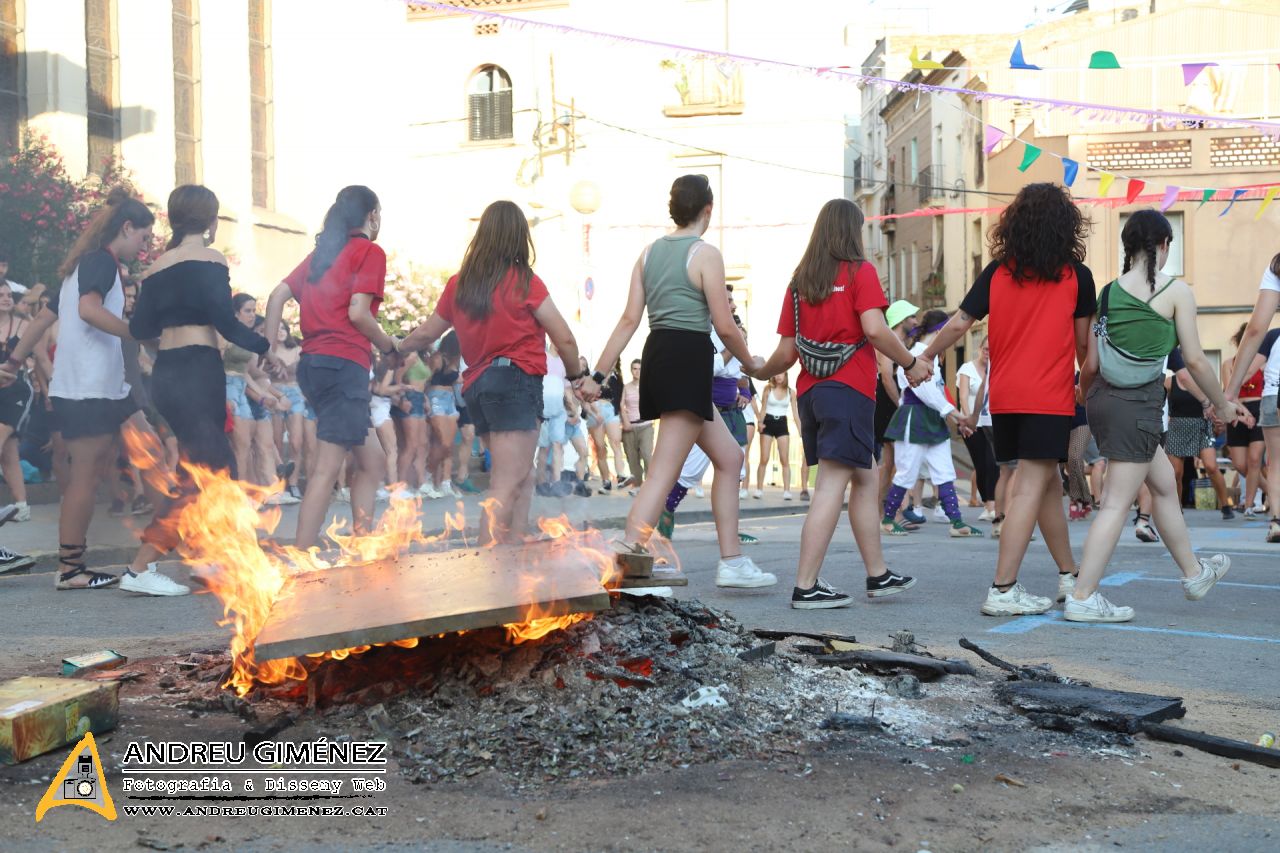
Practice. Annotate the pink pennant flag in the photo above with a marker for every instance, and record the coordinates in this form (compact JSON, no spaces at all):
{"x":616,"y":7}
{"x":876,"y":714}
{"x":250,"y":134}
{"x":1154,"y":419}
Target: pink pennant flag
{"x":1170,"y":196}
{"x":1191,"y":70}
{"x":993,"y":137}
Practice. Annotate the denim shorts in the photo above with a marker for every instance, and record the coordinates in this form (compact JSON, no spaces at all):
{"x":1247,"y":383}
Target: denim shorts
{"x":1269,"y":416}
{"x":442,"y":402}
{"x":504,"y":399}
{"x":417,"y":404}
{"x":554,"y":430}
{"x":297,"y":405}
{"x":236,"y":397}
{"x":260,"y":412}
{"x":837,"y":424}
{"x":338,"y":390}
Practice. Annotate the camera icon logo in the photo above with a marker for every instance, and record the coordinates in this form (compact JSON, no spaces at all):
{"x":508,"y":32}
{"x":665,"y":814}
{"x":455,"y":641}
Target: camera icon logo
{"x":80,"y":782}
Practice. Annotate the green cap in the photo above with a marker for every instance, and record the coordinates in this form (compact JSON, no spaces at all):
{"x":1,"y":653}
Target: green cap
{"x":899,"y":311}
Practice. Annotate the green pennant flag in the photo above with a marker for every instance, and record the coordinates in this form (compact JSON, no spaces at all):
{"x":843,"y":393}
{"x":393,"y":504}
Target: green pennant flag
{"x":1208,"y":194}
{"x":1103,"y":59}
{"x":1029,"y":156}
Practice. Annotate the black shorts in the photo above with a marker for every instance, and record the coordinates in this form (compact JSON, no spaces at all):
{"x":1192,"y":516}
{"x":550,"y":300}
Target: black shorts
{"x":15,"y":403}
{"x":885,"y":408}
{"x":775,"y":426}
{"x":676,"y":374}
{"x":837,"y":424}
{"x":1239,"y":435}
{"x":90,"y":418}
{"x":1031,"y":437}
{"x":464,"y":416}
{"x":504,"y":399}
{"x":338,"y":390}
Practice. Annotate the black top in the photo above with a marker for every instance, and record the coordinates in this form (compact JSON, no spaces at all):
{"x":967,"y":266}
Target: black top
{"x":444,"y":378}
{"x":96,"y":271}
{"x":977,"y":302}
{"x":612,"y":391}
{"x":191,"y":293}
{"x":1268,"y":343}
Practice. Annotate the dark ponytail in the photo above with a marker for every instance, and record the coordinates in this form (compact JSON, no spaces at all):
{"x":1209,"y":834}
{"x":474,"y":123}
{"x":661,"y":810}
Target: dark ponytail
{"x":192,"y":210}
{"x":121,"y":207}
{"x":932,"y":320}
{"x":1145,"y":231}
{"x":349,"y":211}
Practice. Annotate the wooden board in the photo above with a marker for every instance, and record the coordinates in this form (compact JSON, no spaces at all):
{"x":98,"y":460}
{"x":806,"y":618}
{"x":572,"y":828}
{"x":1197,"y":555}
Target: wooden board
{"x":423,"y":595}
{"x":657,"y":579}
{"x":1215,"y":745}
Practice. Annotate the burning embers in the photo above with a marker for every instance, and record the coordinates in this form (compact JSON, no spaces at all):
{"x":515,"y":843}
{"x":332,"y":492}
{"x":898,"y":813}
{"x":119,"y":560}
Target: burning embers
{"x":291,"y":610}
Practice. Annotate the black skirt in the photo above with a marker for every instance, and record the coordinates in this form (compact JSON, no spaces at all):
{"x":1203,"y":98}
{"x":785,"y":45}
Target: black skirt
{"x":675,"y":374}
{"x":884,"y":412}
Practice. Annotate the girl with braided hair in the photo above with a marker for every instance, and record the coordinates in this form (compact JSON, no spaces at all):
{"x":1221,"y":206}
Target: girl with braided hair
{"x":1145,"y":313}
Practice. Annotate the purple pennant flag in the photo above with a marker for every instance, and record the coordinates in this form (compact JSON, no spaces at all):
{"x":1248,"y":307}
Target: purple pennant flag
{"x":1191,"y":70}
{"x":993,"y":137}
{"x":1235,"y":194}
{"x":1170,"y":196}
{"x":1069,"y":169}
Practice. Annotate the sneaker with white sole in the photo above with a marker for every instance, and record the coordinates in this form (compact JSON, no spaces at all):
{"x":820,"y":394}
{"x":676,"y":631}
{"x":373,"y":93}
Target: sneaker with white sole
{"x":939,"y":513}
{"x":344,"y":495}
{"x":889,"y":583}
{"x":1095,"y":608}
{"x":11,"y":562}
{"x":987,"y":515}
{"x":699,"y":493}
{"x":742,"y":494}
{"x":403,"y":494}
{"x":430,"y":492}
{"x":1212,"y":570}
{"x":24,"y":511}
{"x":743,"y":574}
{"x":382,"y":494}
{"x":1015,"y":602}
{"x":151,"y":582}
{"x":1066,"y":585}
{"x":820,"y":596}
{"x":786,"y":496}
{"x":757,"y":494}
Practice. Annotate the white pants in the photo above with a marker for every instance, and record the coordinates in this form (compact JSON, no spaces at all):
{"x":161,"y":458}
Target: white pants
{"x":696,"y":465}
{"x":910,"y":458}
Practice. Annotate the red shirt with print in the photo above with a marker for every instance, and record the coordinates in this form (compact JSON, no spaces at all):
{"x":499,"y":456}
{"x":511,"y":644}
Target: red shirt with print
{"x":510,"y":330}
{"x":837,"y":320}
{"x":361,"y":267}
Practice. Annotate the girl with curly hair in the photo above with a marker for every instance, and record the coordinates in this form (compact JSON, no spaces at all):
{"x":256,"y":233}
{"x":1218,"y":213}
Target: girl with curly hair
{"x":1039,"y":297}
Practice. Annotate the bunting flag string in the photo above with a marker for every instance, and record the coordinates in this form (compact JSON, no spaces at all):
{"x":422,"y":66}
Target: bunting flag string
{"x":1170,"y":196}
{"x":1069,"y":169}
{"x":1029,"y":156}
{"x":1266,"y":202}
{"x":1133,"y":190}
{"x":1104,"y":184}
{"x":1235,"y":195}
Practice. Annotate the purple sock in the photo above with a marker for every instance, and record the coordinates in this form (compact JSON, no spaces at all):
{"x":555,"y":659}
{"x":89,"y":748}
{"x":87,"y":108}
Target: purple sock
{"x":675,"y":497}
{"x":950,"y":503}
{"x":893,"y":500}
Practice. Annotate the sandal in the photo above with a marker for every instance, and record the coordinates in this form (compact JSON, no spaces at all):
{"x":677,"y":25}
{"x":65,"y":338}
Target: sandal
{"x":960,"y":530}
{"x":75,"y":559}
{"x":1273,"y":532}
{"x":892,"y":528}
{"x":747,"y":539}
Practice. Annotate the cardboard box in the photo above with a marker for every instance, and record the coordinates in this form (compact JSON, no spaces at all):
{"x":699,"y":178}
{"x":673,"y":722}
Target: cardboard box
{"x":38,"y":715}
{"x":105,"y":659}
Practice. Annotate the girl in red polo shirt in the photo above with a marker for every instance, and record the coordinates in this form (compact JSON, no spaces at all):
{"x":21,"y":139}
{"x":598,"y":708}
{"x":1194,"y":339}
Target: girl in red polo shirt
{"x":338,"y":288}
{"x":1040,"y":298}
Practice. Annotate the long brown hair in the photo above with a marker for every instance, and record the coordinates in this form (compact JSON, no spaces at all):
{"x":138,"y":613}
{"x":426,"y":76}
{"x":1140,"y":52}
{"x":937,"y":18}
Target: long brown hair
{"x":836,"y":239}
{"x":1039,"y":233}
{"x":192,"y":210}
{"x":348,"y":212}
{"x":502,"y":243}
{"x":104,"y":226}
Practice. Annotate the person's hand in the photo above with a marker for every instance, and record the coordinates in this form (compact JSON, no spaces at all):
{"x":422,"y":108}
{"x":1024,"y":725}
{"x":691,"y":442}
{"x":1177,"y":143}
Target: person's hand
{"x":626,"y":427}
{"x":971,"y":421}
{"x":274,"y":364}
{"x":742,"y":402}
{"x":586,"y":389}
{"x":406,"y":406}
{"x":1231,"y":412}
{"x":920,"y":372}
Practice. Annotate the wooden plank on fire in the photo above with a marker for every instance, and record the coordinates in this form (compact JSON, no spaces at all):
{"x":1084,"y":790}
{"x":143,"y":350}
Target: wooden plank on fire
{"x":659,"y":578}
{"x":422,"y":595}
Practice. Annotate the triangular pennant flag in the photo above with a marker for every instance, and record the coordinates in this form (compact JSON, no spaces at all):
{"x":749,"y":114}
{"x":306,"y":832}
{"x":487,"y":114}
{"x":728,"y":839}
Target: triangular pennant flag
{"x":1069,"y":169}
{"x":1104,"y":184}
{"x":1191,"y":70}
{"x":993,"y":137}
{"x":1103,"y":59}
{"x":923,"y":64}
{"x":1170,"y":196}
{"x":1029,"y":156}
{"x":1016,"y":60}
{"x":1133,"y":190}
{"x":1235,"y":194}
{"x":1208,"y":194}
{"x":1266,"y":202}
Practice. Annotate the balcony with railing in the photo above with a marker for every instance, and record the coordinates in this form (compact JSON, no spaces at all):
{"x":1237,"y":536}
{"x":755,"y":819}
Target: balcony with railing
{"x":889,"y":205}
{"x":930,"y":187}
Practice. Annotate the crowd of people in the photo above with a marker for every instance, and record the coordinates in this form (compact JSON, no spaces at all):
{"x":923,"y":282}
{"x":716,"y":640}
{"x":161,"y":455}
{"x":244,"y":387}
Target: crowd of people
{"x":1075,"y":401}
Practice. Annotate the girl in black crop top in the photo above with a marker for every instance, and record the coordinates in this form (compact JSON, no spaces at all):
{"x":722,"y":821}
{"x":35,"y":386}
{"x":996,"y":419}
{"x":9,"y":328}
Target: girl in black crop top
{"x":443,"y":412}
{"x":15,"y":402}
{"x":186,"y":302}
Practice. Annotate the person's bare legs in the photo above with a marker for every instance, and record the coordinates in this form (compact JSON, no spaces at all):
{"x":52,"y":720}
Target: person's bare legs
{"x":613,"y":431}
{"x":511,"y":484}
{"x":296,"y":446}
{"x":825,"y":504}
{"x":1166,"y":510}
{"x":600,"y":442}
{"x":242,"y":446}
{"x":444,"y":428}
{"x":1124,"y":481}
{"x":87,"y":455}
{"x":1255,"y":480}
{"x":886,"y":470}
{"x":784,"y":458}
{"x":387,"y":438}
{"x":264,"y":452}
{"x":1272,"y":437}
{"x":1036,"y":484}
{"x":1053,"y":525}
{"x":1209,"y":458}
{"x":462,"y":462}
{"x":311,"y":445}
{"x":366,"y":474}
{"x":11,"y":464}
{"x":315,"y":500}
{"x":1178,"y":466}
{"x":766,"y":450}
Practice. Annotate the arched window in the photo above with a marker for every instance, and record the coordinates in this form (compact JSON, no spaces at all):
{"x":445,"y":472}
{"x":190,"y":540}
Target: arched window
{"x":489,"y":105}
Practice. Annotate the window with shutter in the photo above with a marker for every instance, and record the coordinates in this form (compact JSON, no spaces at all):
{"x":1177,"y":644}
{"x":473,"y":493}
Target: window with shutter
{"x":489,"y":105}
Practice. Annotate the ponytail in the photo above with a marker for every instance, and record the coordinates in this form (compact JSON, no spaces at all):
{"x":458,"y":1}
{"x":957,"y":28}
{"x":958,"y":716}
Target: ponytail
{"x":1145,"y":231}
{"x":104,"y":226}
{"x":347,"y":213}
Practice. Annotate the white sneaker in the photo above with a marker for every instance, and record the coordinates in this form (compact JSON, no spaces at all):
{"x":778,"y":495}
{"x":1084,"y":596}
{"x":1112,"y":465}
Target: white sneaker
{"x":382,"y":494}
{"x":1066,"y":586}
{"x":151,"y":582}
{"x":1212,"y":570}
{"x":757,"y":494}
{"x":1016,"y":602}
{"x":940,"y":513}
{"x":698,"y":493}
{"x":344,"y":495}
{"x":24,"y":511}
{"x":448,"y":491}
{"x":786,"y":496}
{"x":429,"y":491}
{"x":1095,"y":608}
{"x":746,"y":575}
{"x":281,"y":499}
{"x":987,"y":515}
{"x":403,"y":494}
{"x":742,"y":494}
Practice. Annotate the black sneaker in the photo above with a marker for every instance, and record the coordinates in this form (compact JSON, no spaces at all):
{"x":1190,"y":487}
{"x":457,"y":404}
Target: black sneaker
{"x":11,"y":562}
{"x":606,"y":487}
{"x":820,"y":597}
{"x":888,"y":584}
{"x":1227,"y":514}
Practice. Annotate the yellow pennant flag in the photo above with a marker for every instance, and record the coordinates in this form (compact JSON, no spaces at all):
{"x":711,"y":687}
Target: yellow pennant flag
{"x":1104,"y":184}
{"x":1266,"y":202}
{"x":923,"y":64}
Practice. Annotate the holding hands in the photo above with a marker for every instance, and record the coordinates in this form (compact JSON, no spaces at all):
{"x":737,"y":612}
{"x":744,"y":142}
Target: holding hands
{"x":918,"y":371}
{"x":586,"y":389}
